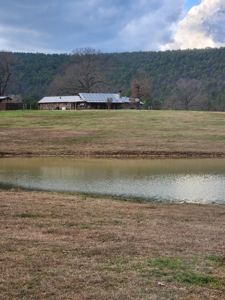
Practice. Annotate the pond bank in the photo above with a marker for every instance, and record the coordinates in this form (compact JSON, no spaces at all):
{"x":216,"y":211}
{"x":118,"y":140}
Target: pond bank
{"x":122,"y":154}
{"x":99,"y":248}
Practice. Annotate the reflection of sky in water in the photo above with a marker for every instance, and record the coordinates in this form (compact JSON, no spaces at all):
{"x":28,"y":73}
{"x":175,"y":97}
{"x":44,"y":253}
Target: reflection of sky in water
{"x":200,"y":181}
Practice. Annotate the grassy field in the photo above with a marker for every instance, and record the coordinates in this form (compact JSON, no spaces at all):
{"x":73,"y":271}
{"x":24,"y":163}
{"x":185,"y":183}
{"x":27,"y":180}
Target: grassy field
{"x":118,"y":133}
{"x":67,"y":246}
{"x":64,"y":246}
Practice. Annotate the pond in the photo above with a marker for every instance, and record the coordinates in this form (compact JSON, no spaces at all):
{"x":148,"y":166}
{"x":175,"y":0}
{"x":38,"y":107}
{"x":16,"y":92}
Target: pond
{"x":164,"y":180}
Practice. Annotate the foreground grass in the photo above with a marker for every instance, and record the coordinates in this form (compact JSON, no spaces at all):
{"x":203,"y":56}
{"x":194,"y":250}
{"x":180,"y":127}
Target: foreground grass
{"x":67,"y":246}
{"x":126,"y":132}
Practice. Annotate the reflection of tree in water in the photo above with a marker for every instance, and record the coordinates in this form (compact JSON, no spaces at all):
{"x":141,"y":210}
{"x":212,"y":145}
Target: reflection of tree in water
{"x":6,"y":186}
{"x":189,"y":180}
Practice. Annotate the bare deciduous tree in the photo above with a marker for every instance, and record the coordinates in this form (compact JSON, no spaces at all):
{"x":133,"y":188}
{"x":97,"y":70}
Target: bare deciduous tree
{"x":141,"y":85}
{"x":220,"y":102}
{"x":186,"y":94}
{"x":6,"y":60}
{"x":84,"y":74}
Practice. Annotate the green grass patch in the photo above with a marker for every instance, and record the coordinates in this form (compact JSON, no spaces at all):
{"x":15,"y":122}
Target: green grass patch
{"x":191,"y":277}
{"x":30,"y":215}
{"x":192,"y":271}
{"x":214,"y":258}
{"x":165,"y":262}
{"x":85,"y":226}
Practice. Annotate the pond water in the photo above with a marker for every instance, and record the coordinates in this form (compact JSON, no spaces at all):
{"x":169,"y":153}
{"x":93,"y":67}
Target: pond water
{"x":164,"y":180}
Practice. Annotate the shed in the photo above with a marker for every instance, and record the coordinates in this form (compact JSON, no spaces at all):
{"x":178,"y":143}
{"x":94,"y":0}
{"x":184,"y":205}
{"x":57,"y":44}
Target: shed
{"x":5,"y":99}
{"x":6,"y":104}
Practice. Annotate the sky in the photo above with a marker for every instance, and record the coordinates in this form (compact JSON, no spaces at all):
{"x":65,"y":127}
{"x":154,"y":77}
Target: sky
{"x":56,"y":26}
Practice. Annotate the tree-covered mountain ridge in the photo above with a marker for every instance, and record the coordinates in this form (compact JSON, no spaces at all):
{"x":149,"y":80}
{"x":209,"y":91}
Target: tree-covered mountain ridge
{"x":34,"y":72}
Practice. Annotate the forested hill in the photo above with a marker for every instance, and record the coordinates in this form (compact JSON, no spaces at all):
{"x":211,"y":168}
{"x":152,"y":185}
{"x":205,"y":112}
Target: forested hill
{"x":35,"y":72}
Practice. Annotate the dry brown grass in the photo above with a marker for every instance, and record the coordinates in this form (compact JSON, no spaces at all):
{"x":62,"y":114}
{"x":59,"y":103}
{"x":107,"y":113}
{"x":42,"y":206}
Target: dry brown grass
{"x":128,"y":132}
{"x":67,"y":246}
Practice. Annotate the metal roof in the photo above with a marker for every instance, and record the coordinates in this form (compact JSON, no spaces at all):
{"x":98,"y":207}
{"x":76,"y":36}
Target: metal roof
{"x":103,"y":98}
{"x":87,"y":97}
{"x":60,"y":99}
{"x":5,"y":97}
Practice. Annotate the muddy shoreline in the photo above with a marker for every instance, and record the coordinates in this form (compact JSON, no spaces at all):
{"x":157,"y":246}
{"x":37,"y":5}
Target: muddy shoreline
{"x":123,"y":154}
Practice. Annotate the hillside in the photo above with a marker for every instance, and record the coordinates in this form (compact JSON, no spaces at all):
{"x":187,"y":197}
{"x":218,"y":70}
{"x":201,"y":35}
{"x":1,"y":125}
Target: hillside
{"x":35,"y":72}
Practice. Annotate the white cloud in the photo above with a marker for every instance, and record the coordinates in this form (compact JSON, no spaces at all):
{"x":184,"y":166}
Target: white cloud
{"x":145,"y":26}
{"x":202,"y":27}
{"x":107,"y":12}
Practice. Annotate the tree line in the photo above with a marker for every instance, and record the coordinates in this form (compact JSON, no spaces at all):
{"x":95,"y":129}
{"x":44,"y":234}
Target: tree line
{"x":177,"y":79}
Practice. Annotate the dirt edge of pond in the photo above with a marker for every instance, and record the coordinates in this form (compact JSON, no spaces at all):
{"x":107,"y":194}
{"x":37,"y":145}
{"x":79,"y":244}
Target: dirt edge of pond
{"x":123,"y":154}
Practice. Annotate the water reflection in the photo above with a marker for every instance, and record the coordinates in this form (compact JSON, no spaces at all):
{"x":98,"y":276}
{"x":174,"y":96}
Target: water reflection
{"x":169,"y":180}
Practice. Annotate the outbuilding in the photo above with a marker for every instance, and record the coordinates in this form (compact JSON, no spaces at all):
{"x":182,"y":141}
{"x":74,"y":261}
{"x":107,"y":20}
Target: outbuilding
{"x":7,"y":104}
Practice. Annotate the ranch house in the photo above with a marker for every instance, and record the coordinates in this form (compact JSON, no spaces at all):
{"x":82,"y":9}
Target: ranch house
{"x":89,"y":101}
